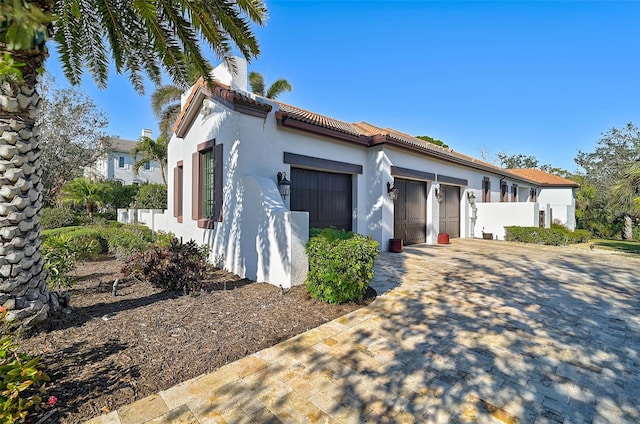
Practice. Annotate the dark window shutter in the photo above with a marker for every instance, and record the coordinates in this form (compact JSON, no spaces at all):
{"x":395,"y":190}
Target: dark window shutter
{"x":217,"y":181}
{"x":195,"y":186}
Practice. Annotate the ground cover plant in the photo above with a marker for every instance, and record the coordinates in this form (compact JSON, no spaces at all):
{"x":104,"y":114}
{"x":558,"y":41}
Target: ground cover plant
{"x":624,"y":246}
{"x":112,"y":350}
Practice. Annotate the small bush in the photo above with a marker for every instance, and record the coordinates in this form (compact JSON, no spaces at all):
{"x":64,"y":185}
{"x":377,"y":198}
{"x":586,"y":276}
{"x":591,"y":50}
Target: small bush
{"x":59,"y":260}
{"x":107,"y":215}
{"x":340,"y":265}
{"x":57,"y":218}
{"x":177,"y":267}
{"x":164,"y":239}
{"x":556,"y":236}
{"x":21,"y":379}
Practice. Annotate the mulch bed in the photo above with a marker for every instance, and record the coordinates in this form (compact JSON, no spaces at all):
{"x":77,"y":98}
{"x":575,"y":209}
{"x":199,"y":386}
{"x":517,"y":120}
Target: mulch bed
{"x":110,"y":351}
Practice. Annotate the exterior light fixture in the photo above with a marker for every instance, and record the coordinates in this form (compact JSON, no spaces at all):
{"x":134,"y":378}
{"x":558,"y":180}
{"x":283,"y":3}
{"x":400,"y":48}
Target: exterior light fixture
{"x":284,"y":185}
{"x":439,"y":194}
{"x":471,"y":197}
{"x":392,"y":191}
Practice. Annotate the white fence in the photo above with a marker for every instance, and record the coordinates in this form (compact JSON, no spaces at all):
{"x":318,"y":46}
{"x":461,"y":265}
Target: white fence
{"x":156,"y":219}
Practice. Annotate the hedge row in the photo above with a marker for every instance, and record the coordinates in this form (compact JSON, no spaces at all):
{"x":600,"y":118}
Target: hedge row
{"x":340,"y":265}
{"x":119,"y":239}
{"x":549,"y":236}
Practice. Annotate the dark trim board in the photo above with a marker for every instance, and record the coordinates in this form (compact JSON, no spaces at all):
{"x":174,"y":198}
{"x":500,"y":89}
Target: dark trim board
{"x":321,"y":164}
{"x":397,"y":171}
{"x":452,"y":180}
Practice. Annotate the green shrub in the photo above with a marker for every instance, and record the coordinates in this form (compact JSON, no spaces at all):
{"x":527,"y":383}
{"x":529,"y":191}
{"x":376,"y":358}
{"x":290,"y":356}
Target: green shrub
{"x":164,"y":239}
{"x":178,"y":267}
{"x":151,"y":196}
{"x":57,"y":218}
{"x":106,"y":215}
{"x":59,"y":260}
{"x":21,"y":380}
{"x":556,"y":236}
{"x":119,"y":239}
{"x":340,"y":265}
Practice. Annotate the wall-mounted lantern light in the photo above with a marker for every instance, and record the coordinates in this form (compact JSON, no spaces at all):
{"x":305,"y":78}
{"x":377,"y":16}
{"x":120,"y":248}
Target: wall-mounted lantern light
{"x":284,"y":185}
{"x":471,"y":197}
{"x":392,"y":191}
{"x":439,"y":194}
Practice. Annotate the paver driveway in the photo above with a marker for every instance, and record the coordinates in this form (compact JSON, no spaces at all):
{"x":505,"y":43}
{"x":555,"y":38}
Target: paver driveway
{"x":475,"y":331}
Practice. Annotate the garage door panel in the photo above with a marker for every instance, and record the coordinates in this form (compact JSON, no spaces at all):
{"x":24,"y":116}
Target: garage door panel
{"x":326,"y":196}
{"x":410,"y":211}
{"x":450,"y":211}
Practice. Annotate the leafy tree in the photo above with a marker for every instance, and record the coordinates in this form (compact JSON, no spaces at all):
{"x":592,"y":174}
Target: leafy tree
{"x":516,"y":161}
{"x":433,"y":140}
{"x":121,"y":195}
{"x":139,"y":38}
{"x":71,"y":134}
{"x":151,"y":196}
{"x":616,"y":149}
{"x":625,"y":196}
{"x":611,"y":171}
{"x":85,"y":192}
{"x":256,"y":82}
{"x":150,"y":150}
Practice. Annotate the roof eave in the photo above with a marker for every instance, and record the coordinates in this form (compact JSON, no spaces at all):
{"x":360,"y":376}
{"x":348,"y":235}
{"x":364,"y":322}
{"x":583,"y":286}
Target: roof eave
{"x":285,"y":120}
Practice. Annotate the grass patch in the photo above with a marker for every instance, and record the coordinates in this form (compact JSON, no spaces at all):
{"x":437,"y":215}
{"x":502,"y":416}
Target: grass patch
{"x":625,"y":246}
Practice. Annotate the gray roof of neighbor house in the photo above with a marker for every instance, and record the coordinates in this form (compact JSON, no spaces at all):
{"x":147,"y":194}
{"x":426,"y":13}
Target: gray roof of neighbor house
{"x":121,"y":145}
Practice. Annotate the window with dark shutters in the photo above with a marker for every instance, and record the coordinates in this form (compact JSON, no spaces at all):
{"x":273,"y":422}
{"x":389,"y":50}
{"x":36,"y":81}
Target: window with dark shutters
{"x":178,"y":181}
{"x":207,"y":175}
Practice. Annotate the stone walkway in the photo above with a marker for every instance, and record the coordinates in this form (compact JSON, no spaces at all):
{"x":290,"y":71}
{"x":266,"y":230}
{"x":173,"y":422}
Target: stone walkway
{"x":476,"y":331}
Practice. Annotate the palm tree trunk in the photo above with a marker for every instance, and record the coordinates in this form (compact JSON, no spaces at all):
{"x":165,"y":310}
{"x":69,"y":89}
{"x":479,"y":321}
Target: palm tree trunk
{"x":627,"y":232}
{"x":23,"y":287}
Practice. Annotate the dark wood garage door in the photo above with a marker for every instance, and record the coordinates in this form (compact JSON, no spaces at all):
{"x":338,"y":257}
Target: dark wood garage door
{"x":325,"y":195}
{"x":450,"y":211}
{"x":410,"y":212}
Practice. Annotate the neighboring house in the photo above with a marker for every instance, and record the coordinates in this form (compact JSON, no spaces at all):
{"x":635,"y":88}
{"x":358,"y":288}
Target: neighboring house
{"x":116,"y":164}
{"x":556,"y":192}
{"x":229,"y":145}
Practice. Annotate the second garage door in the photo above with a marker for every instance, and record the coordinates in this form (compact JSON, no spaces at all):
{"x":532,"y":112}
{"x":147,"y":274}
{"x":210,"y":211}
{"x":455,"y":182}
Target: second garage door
{"x":410,"y":211}
{"x":325,"y":195}
{"x":450,"y":211}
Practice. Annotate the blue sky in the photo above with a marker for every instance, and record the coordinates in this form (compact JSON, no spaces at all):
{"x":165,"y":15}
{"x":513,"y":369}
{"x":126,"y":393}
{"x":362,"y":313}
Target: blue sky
{"x":537,"y":78}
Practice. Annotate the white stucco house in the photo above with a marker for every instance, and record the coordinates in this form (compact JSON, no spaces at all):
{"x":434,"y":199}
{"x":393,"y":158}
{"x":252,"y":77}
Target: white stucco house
{"x":116,"y":164}
{"x":229,"y":145}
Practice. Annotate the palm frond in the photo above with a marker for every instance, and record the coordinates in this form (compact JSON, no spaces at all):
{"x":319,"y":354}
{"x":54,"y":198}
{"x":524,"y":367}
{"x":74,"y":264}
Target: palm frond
{"x":256,"y":82}
{"x":277,"y":88}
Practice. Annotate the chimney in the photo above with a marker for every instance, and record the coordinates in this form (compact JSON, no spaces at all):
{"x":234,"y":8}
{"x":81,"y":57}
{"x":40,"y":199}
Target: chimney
{"x":147,"y":133}
{"x":235,"y":78}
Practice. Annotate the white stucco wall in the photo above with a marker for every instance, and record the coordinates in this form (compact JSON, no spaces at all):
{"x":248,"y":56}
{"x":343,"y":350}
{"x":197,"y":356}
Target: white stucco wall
{"x":562,"y":203}
{"x":493,"y":217}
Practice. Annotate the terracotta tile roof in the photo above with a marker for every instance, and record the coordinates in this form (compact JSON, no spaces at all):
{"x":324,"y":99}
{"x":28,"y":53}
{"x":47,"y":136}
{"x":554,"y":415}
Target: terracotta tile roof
{"x":370,"y":134}
{"x":544,"y":178}
{"x":231,"y":97}
{"x":312,"y":118}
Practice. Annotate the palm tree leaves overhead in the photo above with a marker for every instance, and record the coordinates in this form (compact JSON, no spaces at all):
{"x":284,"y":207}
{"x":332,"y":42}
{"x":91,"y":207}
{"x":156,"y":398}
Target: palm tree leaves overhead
{"x":256,"y":82}
{"x":143,"y":36}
